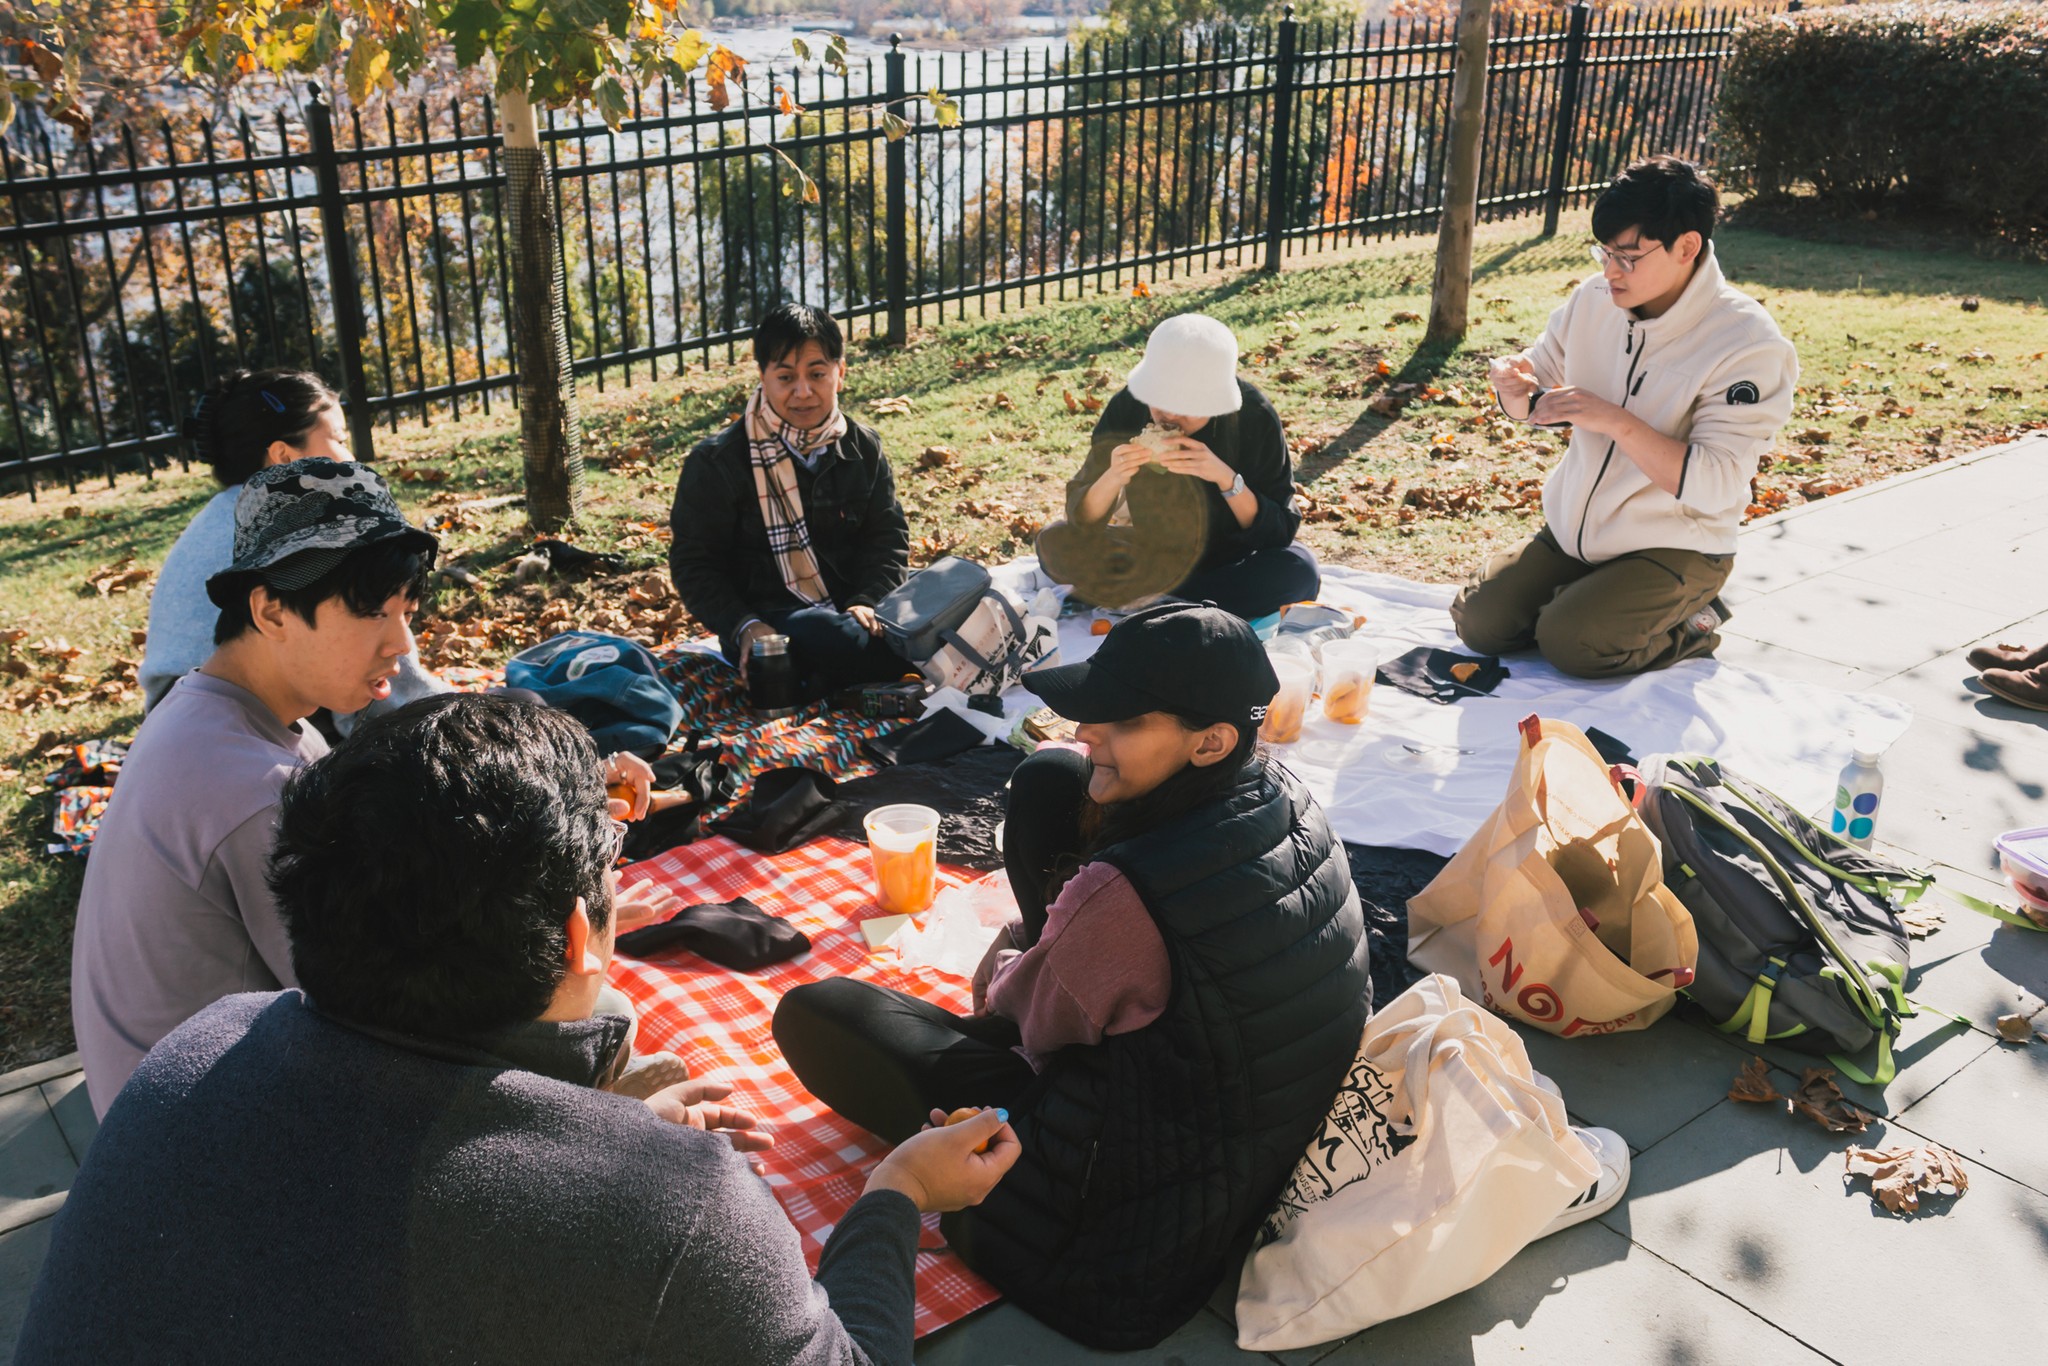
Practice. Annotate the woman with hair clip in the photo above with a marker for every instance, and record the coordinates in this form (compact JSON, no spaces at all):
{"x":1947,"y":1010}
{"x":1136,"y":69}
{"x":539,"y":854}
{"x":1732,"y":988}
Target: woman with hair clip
{"x":248,"y":420}
{"x":1169,"y":1019}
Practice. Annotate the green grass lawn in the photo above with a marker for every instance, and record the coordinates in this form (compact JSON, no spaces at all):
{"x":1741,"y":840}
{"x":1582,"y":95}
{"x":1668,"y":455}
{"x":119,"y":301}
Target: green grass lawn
{"x":1404,"y":464}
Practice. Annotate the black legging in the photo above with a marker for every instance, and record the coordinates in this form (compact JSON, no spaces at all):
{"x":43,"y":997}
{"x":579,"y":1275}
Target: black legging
{"x":886,"y":1060}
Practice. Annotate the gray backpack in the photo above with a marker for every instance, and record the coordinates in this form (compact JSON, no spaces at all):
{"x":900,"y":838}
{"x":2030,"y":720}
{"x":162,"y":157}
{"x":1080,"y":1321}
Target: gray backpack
{"x":1800,"y":940}
{"x":951,"y":622}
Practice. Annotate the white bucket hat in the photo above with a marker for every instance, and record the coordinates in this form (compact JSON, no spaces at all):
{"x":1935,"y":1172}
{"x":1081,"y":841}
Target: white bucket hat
{"x":1190,"y":368}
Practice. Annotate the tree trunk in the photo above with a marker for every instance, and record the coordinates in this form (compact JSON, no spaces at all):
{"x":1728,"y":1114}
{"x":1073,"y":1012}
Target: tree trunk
{"x":1451,"y":296}
{"x":550,"y":436}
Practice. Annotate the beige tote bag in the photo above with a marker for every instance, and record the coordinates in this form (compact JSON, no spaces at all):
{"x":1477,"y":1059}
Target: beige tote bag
{"x":1443,"y":1155}
{"x":1556,"y":913}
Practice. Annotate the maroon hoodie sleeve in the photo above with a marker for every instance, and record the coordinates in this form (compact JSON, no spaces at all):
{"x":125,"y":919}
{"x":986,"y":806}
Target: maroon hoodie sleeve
{"x":1099,"y":968}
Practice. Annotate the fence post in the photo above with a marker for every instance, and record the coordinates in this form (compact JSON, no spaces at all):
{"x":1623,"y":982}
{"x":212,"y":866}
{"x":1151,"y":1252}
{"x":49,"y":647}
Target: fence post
{"x":1279,"y":144}
{"x":896,"y":211}
{"x":341,"y":277}
{"x":1567,"y":116}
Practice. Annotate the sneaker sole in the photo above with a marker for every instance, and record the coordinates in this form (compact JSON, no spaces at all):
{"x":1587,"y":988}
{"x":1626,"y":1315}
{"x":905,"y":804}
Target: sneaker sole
{"x":2010,"y":697}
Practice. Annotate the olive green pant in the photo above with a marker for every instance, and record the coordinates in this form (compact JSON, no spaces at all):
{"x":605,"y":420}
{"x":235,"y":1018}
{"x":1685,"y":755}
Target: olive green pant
{"x":1625,"y":616}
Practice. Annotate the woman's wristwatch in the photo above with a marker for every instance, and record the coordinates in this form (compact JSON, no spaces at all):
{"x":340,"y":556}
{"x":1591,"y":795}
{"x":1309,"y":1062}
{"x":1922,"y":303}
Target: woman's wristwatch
{"x":1236,"y":486}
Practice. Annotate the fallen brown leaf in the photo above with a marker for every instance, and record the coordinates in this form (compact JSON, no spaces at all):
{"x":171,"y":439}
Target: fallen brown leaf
{"x":1405,"y":316}
{"x":1898,"y":1176}
{"x":1073,"y":404}
{"x":1922,"y":919}
{"x":2015,"y":1029}
{"x":937,"y":457}
{"x":1753,"y":1084}
{"x":890,"y":407}
{"x":1091,"y":403}
{"x":1820,"y":1100}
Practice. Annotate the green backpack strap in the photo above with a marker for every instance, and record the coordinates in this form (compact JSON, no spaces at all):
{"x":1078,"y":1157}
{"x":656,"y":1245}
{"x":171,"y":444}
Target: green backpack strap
{"x":1996,"y":912}
{"x":1887,"y":1066}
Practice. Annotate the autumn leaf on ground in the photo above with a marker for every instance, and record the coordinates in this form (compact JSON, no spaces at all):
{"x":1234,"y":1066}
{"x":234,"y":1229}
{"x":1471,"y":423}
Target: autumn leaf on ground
{"x":2015,"y":1029}
{"x":1384,"y":405}
{"x":1923,"y":919}
{"x":1898,"y":1176}
{"x":1091,"y":403}
{"x":937,"y":457}
{"x":891,"y":407}
{"x":1141,"y":290}
{"x":56,"y":648}
{"x":1405,"y":316}
{"x":1754,"y":1084}
{"x":1820,"y":1100}
{"x":1073,"y":404}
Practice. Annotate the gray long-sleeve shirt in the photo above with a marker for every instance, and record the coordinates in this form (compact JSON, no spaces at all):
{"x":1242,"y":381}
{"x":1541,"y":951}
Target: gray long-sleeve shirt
{"x":175,"y":912}
{"x":276,"y":1185}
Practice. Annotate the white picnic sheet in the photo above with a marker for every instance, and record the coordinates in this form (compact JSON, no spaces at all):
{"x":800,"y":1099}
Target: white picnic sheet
{"x":1418,"y":774}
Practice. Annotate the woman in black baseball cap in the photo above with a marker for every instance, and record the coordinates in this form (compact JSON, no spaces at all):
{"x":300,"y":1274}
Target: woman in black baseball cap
{"x":1170,"y":1017}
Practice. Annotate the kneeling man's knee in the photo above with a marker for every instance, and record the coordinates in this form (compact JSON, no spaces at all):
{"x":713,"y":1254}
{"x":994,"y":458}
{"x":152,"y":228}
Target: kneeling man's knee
{"x":1574,"y":644}
{"x":1485,"y":621}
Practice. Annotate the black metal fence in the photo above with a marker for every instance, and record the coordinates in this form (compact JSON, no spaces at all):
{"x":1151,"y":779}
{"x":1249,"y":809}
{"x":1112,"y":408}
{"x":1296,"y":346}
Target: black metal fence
{"x":372,"y":246}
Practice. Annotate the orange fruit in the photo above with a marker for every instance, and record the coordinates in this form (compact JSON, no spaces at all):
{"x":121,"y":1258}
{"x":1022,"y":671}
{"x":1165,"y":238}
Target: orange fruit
{"x":965,"y":1112}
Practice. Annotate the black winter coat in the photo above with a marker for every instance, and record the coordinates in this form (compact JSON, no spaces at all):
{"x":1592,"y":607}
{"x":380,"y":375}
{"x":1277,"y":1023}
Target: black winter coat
{"x":1148,"y":1155}
{"x":720,"y":561}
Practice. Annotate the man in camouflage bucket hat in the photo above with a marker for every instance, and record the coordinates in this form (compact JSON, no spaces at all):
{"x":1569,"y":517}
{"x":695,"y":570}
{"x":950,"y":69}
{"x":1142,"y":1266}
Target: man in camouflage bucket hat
{"x":316,"y":612}
{"x":176,"y":912}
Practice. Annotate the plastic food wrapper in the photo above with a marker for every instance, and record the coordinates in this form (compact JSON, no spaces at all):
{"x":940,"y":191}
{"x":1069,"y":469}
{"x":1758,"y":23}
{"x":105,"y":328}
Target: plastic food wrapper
{"x":955,"y":933}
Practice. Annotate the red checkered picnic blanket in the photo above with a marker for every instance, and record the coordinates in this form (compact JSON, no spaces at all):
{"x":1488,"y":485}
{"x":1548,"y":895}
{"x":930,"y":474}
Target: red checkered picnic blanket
{"x":718,"y":1021}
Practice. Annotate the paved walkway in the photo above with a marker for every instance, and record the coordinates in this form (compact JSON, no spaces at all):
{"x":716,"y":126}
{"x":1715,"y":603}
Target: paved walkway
{"x":1738,"y":1242}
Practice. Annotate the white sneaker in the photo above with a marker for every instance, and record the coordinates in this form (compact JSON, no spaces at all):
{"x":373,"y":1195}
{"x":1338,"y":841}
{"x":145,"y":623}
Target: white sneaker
{"x":1611,"y":1152}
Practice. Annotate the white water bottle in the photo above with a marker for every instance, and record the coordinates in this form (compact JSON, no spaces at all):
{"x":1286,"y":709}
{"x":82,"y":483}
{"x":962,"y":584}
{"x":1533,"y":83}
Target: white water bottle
{"x":1857,"y":794}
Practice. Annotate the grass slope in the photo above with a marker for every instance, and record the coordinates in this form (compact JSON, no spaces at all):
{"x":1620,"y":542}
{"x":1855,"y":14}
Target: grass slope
{"x":1403,"y":461}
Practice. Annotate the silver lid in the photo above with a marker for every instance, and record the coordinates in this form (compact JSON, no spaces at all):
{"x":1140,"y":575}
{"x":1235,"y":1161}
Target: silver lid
{"x":770,"y":645}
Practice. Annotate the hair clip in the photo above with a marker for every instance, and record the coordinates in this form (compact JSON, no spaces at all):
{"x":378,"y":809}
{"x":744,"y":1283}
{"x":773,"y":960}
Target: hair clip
{"x":276,"y":403}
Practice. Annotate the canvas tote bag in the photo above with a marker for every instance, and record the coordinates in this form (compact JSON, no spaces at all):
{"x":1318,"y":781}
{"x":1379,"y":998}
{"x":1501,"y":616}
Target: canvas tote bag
{"x":1556,"y":912}
{"x":1443,"y":1155}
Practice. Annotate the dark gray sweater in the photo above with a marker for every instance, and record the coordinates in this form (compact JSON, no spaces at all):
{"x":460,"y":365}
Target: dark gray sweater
{"x":273,"y":1185}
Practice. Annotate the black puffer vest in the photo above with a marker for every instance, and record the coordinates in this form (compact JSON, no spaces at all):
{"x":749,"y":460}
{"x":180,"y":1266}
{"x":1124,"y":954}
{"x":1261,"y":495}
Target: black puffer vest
{"x":1147,"y":1155}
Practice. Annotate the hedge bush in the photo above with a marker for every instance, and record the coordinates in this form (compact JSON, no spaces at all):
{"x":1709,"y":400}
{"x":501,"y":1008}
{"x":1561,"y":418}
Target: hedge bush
{"x":1943,"y":106}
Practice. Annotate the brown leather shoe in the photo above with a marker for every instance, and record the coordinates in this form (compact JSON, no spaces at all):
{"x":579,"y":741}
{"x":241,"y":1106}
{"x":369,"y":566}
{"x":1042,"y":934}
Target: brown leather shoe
{"x":2003,"y":656}
{"x":2028,"y":689}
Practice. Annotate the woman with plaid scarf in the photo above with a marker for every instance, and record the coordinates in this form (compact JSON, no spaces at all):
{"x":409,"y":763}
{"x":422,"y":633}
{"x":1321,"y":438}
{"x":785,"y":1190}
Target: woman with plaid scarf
{"x":787,"y":521}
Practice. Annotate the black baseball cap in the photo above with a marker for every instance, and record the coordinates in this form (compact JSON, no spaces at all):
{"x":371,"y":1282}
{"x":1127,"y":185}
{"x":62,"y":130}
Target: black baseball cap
{"x":1192,"y":658}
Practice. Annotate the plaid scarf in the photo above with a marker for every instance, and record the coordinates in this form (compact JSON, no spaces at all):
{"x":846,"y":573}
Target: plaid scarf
{"x":771,"y":443}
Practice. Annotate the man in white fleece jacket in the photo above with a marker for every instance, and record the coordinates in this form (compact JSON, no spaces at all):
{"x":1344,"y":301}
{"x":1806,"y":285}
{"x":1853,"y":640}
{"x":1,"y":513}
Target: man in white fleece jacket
{"x":1674,"y":384}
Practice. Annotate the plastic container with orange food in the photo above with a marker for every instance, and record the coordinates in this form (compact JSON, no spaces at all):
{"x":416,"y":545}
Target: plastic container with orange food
{"x":904,"y":843}
{"x":1349,"y":668}
{"x":1289,"y":707}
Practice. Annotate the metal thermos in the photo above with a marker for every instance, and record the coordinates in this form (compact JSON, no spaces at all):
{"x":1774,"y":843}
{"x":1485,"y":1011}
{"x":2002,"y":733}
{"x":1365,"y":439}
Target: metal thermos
{"x":771,"y":677}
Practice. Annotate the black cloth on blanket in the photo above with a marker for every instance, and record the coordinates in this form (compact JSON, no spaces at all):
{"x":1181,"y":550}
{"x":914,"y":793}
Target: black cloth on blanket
{"x":1426,"y":672}
{"x":966,"y":790}
{"x":1386,"y":878}
{"x":733,"y":934}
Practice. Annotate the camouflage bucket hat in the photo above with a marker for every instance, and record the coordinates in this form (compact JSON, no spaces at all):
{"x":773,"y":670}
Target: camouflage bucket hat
{"x":294,"y":523}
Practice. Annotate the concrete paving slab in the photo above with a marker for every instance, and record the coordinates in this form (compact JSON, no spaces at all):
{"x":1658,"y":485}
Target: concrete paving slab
{"x":72,"y":1109}
{"x":1584,"y":1295}
{"x":1770,"y":558}
{"x":1950,"y":790}
{"x":1643,"y":1085}
{"x":37,"y":1073}
{"x":1994,"y":1111}
{"x":1007,"y":1336}
{"x":1976,"y":565}
{"x":1765,"y":657}
{"x":1753,"y":1203}
{"x":1947,"y":689}
{"x":21,"y":1258}
{"x":1865,"y":626}
{"x":35,"y":1161}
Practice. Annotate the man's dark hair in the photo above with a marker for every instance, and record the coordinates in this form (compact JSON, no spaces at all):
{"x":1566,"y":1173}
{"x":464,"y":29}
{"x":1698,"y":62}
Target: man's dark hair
{"x":364,"y":581}
{"x":425,"y":870}
{"x":1664,"y":197}
{"x":788,"y":326}
{"x":235,"y":421}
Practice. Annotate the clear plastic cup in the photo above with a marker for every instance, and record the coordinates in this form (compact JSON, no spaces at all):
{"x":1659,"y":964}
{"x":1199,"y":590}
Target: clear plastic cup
{"x":1289,"y":707}
{"x":904,"y":842}
{"x":1349,"y":667}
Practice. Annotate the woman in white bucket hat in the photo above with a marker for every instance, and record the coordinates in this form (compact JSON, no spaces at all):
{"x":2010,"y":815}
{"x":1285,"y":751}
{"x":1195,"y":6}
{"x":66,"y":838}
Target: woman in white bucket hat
{"x":1188,"y":488}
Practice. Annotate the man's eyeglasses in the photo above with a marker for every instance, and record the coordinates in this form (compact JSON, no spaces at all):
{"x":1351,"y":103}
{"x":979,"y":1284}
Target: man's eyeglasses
{"x":1627,"y":264}
{"x":618,"y":842}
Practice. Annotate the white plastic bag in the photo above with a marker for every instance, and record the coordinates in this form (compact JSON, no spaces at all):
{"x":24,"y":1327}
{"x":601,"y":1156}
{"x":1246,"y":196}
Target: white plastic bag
{"x":1443,"y":1155}
{"x":955,"y":933}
